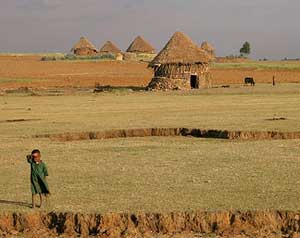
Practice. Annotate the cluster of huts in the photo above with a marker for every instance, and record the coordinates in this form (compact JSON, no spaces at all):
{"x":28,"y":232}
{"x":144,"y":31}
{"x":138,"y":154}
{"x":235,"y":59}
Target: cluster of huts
{"x":181,"y":64}
{"x":139,"y":46}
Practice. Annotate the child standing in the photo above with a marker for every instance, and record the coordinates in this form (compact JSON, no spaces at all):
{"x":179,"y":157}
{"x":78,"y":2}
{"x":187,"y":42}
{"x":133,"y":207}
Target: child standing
{"x":39,"y":185}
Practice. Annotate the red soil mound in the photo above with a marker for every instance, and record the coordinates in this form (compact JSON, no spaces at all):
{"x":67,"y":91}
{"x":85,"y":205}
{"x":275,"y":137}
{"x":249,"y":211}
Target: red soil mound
{"x":192,"y":224}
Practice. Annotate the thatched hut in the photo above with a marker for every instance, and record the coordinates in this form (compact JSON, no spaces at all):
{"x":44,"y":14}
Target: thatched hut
{"x":127,"y":56}
{"x":140,"y":46}
{"x":181,"y":64}
{"x":209,"y":49}
{"x":119,"y":57}
{"x":110,"y":48}
{"x":84,"y":47}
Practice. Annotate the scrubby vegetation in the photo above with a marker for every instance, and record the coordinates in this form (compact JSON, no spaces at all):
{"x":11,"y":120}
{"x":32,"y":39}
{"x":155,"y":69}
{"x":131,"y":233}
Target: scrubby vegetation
{"x":76,"y":57}
{"x":145,"y":57}
{"x":260,"y":65}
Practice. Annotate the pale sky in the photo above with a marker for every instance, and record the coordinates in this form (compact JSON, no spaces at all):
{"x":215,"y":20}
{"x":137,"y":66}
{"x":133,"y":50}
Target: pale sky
{"x":271,"y":26}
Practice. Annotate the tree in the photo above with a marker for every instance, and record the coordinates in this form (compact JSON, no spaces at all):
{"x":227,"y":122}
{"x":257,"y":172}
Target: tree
{"x":246,"y":49}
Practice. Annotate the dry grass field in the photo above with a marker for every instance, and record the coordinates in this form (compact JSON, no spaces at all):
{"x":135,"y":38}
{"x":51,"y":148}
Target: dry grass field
{"x":155,"y":173}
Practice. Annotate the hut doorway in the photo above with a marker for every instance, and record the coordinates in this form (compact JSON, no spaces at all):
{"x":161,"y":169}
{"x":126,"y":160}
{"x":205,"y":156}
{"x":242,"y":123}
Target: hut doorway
{"x":194,"y":81}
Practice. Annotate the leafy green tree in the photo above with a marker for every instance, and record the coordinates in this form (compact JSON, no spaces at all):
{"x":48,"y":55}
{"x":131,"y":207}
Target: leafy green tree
{"x":246,"y":49}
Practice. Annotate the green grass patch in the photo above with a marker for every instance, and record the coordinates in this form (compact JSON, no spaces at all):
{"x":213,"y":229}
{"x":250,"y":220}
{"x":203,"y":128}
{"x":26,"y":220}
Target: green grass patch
{"x":145,"y":57}
{"x":71,"y":57}
{"x":18,"y":80}
{"x":33,"y":54}
{"x":269,"y":65}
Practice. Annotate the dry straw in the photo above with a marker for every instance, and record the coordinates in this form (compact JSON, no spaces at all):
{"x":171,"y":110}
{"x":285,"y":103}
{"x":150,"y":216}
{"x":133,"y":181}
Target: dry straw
{"x":139,"y":45}
{"x":206,"y":46}
{"x":110,"y":48}
{"x":84,"y":43}
{"x":181,"y":50}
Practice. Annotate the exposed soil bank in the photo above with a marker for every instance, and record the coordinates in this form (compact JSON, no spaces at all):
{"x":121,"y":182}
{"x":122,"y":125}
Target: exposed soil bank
{"x":192,"y":224}
{"x":147,"y":132}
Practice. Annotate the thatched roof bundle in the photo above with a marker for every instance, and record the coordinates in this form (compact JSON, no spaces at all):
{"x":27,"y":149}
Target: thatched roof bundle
{"x":208,"y":48}
{"x":84,"y":43}
{"x":139,"y":45}
{"x":110,"y":48}
{"x":181,"y":50}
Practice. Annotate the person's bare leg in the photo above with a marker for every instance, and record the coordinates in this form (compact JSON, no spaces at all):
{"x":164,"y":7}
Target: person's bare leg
{"x":41,"y":200}
{"x":47,"y":196}
{"x":33,"y":201}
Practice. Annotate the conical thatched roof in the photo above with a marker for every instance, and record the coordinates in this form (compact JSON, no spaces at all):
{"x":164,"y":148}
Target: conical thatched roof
{"x":110,"y":48}
{"x":139,"y":45}
{"x":181,"y":49}
{"x":84,"y":43}
{"x":208,"y":47}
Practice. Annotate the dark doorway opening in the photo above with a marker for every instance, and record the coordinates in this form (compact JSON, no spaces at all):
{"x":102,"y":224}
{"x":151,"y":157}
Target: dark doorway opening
{"x":194,"y":81}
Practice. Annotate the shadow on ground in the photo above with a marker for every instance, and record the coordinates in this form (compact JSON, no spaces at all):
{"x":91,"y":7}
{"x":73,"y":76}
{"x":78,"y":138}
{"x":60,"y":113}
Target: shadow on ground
{"x":21,"y":204}
{"x":109,"y":88}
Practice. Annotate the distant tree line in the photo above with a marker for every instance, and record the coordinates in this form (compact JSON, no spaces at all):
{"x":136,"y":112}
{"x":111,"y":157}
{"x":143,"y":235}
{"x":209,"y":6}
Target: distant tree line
{"x":246,"y":49}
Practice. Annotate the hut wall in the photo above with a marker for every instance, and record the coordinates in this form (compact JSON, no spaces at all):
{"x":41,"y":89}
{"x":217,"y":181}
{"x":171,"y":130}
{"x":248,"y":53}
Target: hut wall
{"x":177,"y":71}
{"x":162,"y":83}
{"x":119,"y":57}
{"x":129,"y":56}
{"x":178,"y":76}
{"x":85,"y":52}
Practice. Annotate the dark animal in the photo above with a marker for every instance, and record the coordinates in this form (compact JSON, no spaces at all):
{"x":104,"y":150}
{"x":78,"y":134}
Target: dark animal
{"x":250,"y":81}
{"x":274,"y":83}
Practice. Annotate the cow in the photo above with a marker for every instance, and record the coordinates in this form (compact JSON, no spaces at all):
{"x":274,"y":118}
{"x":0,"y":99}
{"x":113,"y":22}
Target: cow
{"x":250,"y":81}
{"x":273,"y":81}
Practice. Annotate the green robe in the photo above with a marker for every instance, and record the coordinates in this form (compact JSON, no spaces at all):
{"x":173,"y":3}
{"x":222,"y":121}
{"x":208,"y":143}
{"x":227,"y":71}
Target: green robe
{"x":39,"y":172}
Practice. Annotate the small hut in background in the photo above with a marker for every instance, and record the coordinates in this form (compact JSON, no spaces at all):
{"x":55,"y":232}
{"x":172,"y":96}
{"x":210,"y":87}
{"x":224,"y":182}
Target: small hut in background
{"x":140,"y":46}
{"x":180,"y":65}
{"x":84,"y":48}
{"x":209,"y":49}
{"x":130,"y":56}
{"x":119,"y":57}
{"x":110,"y":48}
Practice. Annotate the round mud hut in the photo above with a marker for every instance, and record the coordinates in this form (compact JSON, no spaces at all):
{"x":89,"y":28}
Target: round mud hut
{"x":180,"y":65}
{"x":84,"y":48}
{"x":209,"y":49}
{"x":109,"y":48}
{"x":140,"y":46}
{"x":119,"y":57}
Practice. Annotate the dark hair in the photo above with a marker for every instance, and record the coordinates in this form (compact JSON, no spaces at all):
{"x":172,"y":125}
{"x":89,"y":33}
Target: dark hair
{"x":35,"y":151}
